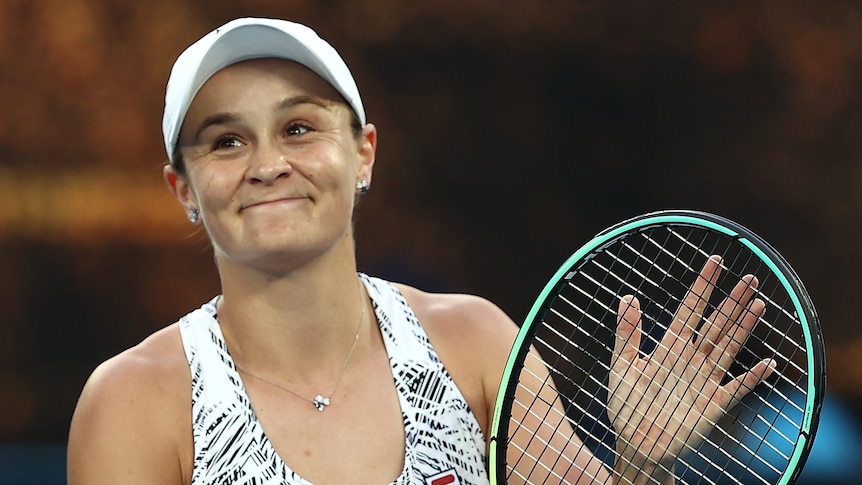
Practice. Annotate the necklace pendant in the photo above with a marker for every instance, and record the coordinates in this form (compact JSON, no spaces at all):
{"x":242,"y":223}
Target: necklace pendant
{"x":320,"y":402}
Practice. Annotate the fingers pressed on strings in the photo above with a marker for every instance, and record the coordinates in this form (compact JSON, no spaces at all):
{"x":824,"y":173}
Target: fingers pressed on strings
{"x":740,"y":386}
{"x":693,"y":306}
{"x":729,"y":344}
{"x":690,"y":311}
{"x":727,"y":314}
{"x":628,"y":335}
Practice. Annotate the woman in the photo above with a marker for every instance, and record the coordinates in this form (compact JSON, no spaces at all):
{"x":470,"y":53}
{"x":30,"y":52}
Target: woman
{"x":302,"y":370}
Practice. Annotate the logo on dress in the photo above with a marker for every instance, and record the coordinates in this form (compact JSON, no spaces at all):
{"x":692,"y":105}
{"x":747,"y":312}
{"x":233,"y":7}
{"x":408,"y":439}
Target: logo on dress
{"x":446,"y":478}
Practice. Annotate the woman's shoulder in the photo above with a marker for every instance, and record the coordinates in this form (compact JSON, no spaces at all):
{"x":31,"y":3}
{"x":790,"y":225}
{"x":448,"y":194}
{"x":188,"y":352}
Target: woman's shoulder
{"x":135,"y":406}
{"x":472,"y":336}
{"x":457,"y":312}
{"x":148,"y":373}
{"x":155,"y":364}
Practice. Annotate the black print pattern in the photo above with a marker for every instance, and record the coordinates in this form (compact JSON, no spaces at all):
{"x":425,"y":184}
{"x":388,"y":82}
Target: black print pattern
{"x":231,"y":447}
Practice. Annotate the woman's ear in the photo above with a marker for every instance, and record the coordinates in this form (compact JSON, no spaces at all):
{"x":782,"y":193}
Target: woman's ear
{"x":179,"y":187}
{"x":367,"y":153}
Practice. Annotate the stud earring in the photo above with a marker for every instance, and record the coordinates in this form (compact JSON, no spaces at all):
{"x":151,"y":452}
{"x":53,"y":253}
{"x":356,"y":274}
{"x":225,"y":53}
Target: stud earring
{"x":363,"y":187}
{"x":194,"y":215}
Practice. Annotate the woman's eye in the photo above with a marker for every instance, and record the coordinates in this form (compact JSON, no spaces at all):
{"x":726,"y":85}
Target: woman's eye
{"x":295,"y":130}
{"x":227,"y":142}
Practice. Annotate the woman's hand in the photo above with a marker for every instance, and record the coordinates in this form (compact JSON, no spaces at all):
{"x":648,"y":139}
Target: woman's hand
{"x":663,"y":404}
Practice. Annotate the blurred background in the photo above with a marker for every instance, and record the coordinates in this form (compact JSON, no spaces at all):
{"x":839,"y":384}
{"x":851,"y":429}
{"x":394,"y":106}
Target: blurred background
{"x":510,"y":133}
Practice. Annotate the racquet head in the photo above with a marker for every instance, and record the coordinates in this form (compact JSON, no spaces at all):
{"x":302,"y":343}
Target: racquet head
{"x":559,"y":372}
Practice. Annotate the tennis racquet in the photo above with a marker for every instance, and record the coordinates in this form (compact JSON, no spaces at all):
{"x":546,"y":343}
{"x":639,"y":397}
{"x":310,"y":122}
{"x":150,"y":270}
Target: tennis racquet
{"x":559,"y":416}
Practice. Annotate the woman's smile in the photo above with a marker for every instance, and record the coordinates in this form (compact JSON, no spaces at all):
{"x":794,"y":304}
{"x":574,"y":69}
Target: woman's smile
{"x":275,"y":202}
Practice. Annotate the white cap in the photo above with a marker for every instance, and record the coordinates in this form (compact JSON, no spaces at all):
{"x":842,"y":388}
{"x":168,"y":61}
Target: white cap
{"x":241,"y":40}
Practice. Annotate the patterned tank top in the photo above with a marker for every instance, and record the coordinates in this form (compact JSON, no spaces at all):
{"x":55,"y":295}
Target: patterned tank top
{"x":444,"y":443}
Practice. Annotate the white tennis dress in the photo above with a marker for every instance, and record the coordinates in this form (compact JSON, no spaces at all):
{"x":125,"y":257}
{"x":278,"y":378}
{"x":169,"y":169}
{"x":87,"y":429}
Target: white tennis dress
{"x":444,"y":446}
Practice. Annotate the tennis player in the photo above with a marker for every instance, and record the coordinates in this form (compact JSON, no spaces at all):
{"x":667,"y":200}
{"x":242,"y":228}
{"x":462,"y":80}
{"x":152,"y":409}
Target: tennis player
{"x":301,"y":370}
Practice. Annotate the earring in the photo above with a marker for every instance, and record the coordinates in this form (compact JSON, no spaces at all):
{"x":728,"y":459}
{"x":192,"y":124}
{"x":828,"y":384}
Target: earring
{"x":363,"y":187}
{"x":194,"y":215}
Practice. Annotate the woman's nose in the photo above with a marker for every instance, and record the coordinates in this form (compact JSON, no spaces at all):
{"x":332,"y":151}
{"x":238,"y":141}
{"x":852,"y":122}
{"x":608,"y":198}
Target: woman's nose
{"x":268,"y":165}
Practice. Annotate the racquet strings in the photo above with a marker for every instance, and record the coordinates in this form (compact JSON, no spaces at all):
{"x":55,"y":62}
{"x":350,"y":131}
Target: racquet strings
{"x":754,"y":442}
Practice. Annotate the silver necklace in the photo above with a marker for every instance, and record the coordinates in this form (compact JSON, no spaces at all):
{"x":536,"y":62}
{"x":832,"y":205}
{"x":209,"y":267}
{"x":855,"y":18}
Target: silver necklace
{"x":320,"y":401}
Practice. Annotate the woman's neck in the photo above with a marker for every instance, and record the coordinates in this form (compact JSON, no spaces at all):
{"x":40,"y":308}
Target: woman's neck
{"x":304,"y":320}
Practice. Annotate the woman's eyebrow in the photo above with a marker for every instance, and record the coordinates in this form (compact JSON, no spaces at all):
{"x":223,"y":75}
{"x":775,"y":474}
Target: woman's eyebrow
{"x":216,"y":119}
{"x":288,"y":103}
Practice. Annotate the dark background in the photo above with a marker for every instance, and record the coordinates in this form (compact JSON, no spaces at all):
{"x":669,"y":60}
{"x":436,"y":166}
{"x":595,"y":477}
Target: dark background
{"x":510,"y":133}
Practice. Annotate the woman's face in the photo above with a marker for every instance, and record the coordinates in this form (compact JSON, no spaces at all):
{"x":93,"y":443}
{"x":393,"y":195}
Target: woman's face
{"x":272,"y":163}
